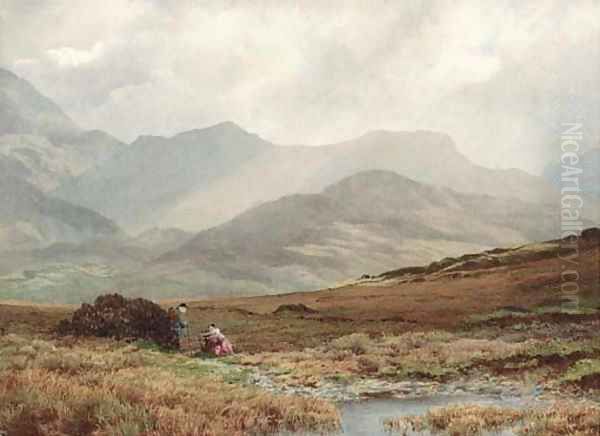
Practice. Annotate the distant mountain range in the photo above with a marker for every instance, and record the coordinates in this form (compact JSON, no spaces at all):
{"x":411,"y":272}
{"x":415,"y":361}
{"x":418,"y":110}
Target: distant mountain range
{"x":220,"y":209}
{"x":202,"y":178}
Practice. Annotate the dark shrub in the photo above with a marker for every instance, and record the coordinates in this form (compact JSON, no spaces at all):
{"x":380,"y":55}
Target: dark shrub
{"x":296,"y":308}
{"x":118,"y":317}
{"x":592,"y":234}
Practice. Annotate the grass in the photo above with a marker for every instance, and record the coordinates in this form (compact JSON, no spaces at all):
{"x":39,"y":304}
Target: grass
{"x":435,"y":355}
{"x":545,"y":353}
{"x":472,"y":420}
{"x":106,"y":388}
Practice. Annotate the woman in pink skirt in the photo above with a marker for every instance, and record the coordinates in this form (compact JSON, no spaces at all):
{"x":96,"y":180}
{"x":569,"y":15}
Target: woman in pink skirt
{"x":216,"y":342}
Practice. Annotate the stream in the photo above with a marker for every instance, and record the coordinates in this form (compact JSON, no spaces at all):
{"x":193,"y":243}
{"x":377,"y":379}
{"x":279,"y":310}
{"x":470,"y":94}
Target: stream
{"x":366,"y":403}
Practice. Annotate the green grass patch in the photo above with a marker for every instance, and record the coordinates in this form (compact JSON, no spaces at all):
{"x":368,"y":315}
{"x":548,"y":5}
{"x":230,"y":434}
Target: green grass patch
{"x":581,"y":369}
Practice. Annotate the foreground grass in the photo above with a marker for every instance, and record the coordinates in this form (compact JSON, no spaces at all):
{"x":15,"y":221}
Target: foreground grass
{"x":102,"y":388}
{"x":472,"y":420}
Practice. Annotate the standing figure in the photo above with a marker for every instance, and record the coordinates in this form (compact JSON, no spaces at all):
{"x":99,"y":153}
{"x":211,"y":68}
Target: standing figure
{"x":180,"y":324}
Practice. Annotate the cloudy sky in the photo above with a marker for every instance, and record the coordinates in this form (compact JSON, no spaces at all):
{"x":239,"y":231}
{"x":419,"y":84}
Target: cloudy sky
{"x":499,"y":76}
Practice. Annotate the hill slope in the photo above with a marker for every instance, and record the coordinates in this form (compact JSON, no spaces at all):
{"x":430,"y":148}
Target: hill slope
{"x":46,"y":164}
{"x":372,"y":221}
{"x":31,"y":219}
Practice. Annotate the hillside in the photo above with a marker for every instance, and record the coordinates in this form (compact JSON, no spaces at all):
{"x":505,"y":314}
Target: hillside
{"x":46,"y":164}
{"x":369,"y":222}
{"x":30,"y":219}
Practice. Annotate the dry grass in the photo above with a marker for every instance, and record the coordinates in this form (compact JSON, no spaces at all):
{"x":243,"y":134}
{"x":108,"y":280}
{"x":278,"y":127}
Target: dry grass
{"x":100,"y":388}
{"x":435,"y":355}
{"x":356,"y":343}
{"x":470,"y":420}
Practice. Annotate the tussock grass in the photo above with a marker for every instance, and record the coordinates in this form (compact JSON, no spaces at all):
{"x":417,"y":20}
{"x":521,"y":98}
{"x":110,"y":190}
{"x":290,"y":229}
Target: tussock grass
{"x":435,"y":355}
{"x":439,"y":356}
{"x":102,"y":388}
{"x":356,"y":343}
{"x":471,"y":420}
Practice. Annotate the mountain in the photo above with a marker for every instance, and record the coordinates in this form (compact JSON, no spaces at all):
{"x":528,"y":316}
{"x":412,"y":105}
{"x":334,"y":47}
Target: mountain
{"x":139,"y":185}
{"x":39,"y":143}
{"x":30,"y":219}
{"x":369,"y":222}
{"x":23,"y":110}
{"x":46,"y":165}
{"x":202,"y":178}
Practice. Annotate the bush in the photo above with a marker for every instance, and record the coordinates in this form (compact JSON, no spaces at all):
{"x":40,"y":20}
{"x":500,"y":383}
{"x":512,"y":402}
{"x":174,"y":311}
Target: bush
{"x":118,"y":317}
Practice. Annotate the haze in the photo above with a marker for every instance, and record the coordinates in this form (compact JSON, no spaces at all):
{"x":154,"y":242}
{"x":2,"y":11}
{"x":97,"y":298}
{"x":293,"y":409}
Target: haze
{"x":499,"y":77}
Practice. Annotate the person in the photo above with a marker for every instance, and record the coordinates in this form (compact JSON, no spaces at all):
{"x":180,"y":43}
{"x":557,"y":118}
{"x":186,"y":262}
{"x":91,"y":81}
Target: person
{"x":180,"y":324}
{"x":216,"y":342}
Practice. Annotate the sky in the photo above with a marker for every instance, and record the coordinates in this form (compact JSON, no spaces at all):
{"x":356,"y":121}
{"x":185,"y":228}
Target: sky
{"x":499,"y":76}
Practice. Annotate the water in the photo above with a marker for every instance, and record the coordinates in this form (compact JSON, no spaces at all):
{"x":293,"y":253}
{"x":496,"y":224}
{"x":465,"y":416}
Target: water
{"x":366,"y":417}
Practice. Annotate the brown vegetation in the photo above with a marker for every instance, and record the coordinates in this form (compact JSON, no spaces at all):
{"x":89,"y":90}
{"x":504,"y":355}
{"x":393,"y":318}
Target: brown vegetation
{"x":470,"y":420}
{"x":103,"y":388}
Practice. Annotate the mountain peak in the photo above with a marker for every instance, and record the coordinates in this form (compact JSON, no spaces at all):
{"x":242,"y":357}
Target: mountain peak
{"x":219,"y":129}
{"x":373,"y":181}
{"x":376,"y":176}
{"x":226,"y":125}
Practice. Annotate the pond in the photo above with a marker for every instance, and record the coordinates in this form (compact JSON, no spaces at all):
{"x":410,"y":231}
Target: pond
{"x":366,"y":417}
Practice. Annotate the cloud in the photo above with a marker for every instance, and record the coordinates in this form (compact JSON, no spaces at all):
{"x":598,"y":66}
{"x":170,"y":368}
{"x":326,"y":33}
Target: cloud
{"x":488,"y":73}
{"x":69,"y":57}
